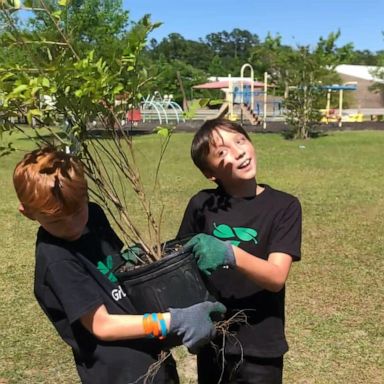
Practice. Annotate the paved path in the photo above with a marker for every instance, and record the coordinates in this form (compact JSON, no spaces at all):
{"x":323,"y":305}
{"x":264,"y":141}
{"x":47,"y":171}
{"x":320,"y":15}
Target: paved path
{"x":272,"y":127}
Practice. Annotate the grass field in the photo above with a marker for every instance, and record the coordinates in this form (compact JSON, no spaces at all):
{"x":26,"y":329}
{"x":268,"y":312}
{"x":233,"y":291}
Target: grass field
{"x":335,"y":295}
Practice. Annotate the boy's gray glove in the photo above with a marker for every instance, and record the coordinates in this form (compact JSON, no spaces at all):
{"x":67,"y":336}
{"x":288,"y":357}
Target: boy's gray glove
{"x":211,"y":252}
{"x":194,"y":324}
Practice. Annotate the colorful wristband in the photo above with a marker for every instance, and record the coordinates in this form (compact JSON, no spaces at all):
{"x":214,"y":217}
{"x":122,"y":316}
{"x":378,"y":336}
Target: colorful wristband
{"x":163,"y":326}
{"x":154,"y":325}
{"x":147,"y":325}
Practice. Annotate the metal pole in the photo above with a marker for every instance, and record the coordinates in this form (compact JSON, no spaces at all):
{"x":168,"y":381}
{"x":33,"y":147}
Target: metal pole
{"x":340,"y":107}
{"x":230,"y":96}
{"x":327,"y":108}
{"x":265,"y":100}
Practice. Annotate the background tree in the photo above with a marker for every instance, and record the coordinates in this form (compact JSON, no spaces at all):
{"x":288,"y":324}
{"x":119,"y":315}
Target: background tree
{"x":233,"y":48}
{"x":175,"y":47}
{"x":167,"y":81}
{"x":82,"y":88}
{"x":309,"y":69}
{"x":302,"y":114}
{"x":100,"y":25}
{"x":364,"y":57}
{"x":274,"y":58}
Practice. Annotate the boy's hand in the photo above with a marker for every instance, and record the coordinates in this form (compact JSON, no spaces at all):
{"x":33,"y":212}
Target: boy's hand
{"x":194,"y":324}
{"x":210,"y":252}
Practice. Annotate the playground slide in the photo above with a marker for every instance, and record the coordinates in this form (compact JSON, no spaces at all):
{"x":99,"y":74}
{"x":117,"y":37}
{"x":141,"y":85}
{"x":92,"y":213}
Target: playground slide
{"x":222,"y":111}
{"x":250,"y":114}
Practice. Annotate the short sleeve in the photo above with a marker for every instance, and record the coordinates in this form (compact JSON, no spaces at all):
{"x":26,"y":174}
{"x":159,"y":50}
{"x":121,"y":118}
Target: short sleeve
{"x":77,"y":292}
{"x":286,"y":233}
{"x":188,"y":224}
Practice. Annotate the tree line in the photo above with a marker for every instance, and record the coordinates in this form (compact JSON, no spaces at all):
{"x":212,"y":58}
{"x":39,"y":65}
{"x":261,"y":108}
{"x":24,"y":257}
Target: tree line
{"x":106,"y":27}
{"x":102,"y":27}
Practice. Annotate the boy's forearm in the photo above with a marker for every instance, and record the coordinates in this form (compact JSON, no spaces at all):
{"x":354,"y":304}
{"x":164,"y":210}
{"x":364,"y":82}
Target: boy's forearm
{"x":193,"y":324}
{"x":109,"y":327}
{"x":270,"y":274}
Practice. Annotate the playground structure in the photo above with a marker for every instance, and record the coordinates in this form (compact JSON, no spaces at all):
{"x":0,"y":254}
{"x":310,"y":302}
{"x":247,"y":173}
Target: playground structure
{"x":332,"y":115}
{"x":157,"y":108}
{"x":246,"y":98}
{"x":253,"y":100}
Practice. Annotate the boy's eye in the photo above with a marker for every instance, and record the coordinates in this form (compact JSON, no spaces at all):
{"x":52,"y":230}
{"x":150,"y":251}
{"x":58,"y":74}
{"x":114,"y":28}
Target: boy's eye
{"x":221,"y":152}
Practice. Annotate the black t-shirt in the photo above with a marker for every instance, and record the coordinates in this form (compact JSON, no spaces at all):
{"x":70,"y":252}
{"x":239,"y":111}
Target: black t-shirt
{"x":71,"y":279}
{"x":261,"y":224}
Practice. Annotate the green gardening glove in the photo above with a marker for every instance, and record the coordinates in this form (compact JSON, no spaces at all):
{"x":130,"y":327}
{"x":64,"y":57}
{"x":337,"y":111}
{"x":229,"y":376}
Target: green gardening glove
{"x":211,"y":252}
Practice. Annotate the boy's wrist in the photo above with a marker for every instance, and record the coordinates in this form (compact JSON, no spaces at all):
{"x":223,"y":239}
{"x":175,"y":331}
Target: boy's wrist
{"x":167,"y":319}
{"x":156,"y":324}
{"x":230,"y":258}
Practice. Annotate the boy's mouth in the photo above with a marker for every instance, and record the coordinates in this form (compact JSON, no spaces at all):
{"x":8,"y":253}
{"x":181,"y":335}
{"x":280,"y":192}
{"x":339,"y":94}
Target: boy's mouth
{"x":244,"y":164}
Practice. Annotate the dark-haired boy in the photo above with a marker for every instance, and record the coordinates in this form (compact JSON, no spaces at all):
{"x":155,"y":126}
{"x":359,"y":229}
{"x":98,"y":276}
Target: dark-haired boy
{"x":254,"y":231}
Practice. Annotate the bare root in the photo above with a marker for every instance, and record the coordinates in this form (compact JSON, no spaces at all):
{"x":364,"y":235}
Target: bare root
{"x":149,"y":376}
{"x":222,"y":328}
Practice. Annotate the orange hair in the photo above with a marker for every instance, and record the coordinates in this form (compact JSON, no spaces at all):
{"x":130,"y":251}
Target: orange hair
{"x":50,"y":182}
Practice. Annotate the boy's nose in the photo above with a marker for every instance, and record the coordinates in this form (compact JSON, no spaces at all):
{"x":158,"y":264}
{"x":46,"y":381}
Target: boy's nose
{"x":239,"y":153}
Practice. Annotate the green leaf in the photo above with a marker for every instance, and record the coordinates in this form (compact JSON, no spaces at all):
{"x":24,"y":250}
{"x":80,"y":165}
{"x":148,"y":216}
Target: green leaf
{"x":157,"y":24}
{"x":223,"y":231}
{"x":20,"y":89}
{"x":246,"y":234}
{"x":117,"y":89}
{"x":29,"y":117}
{"x":49,"y":54}
{"x":109,"y":262}
{"x":16,"y":4}
{"x":10,"y":36}
{"x":106,"y":269}
{"x":235,"y":242}
{"x":162,"y":131}
{"x":45,"y":82}
{"x":112,"y":277}
{"x":102,"y":267}
{"x":35,"y":112}
{"x":63,"y":3}
{"x":57,"y":14}
{"x":35,"y":90}
{"x":6,"y":76}
{"x":130,"y":254}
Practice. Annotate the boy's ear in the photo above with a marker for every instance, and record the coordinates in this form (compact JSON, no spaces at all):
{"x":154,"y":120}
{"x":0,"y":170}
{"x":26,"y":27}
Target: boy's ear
{"x":23,"y":211}
{"x":209,"y":175}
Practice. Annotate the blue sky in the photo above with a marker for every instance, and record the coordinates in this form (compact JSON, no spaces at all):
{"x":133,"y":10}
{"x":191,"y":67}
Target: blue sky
{"x":361,"y":22}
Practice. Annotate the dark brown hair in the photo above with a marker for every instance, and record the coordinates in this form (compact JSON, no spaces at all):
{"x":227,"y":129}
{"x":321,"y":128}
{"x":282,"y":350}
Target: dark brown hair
{"x":204,"y":138}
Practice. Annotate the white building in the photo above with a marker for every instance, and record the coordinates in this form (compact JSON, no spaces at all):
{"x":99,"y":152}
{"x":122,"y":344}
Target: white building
{"x":364,"y":76}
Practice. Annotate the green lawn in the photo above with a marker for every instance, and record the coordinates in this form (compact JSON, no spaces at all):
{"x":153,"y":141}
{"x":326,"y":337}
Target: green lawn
{"x":334,"y":295}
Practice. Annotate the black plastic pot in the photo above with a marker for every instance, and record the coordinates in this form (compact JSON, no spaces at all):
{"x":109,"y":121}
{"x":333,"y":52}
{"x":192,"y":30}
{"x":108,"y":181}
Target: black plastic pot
{"x":174,"y":281}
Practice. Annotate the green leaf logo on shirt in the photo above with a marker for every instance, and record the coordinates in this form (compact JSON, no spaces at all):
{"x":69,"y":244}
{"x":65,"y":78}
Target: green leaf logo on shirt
{"x":106,"y":268}
{"x":236,"y":234}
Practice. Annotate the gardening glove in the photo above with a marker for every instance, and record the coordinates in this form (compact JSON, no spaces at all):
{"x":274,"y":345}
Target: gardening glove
{"x":211,"y":252}
{"x":194,"y":324}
